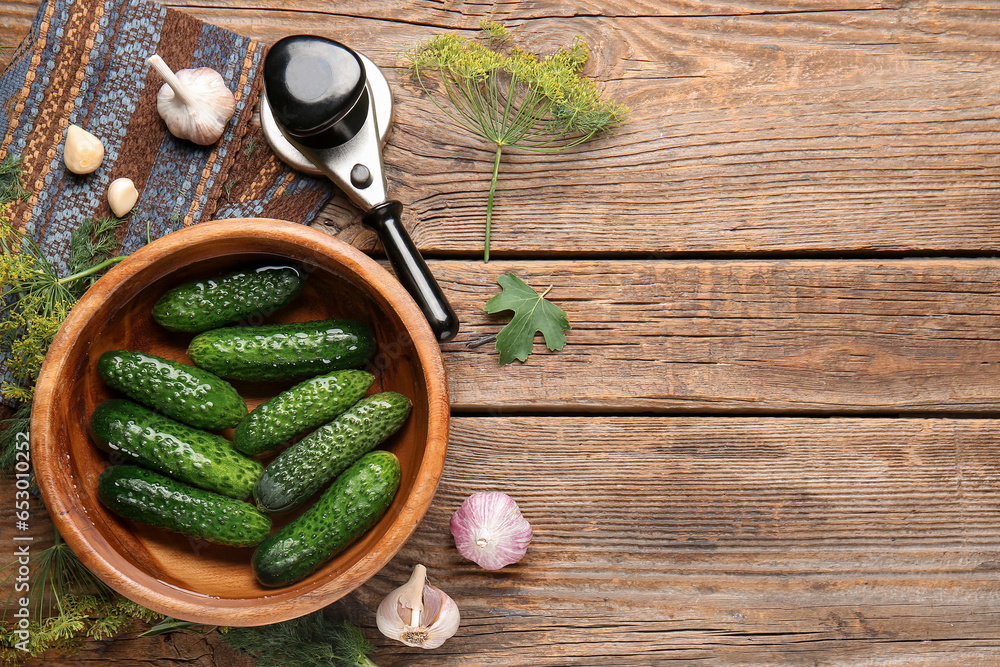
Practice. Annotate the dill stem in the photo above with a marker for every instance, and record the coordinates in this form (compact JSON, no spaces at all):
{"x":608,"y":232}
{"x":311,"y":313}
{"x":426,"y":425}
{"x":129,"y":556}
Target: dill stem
{"x":91,"y":271}
{"x":489,"y":202}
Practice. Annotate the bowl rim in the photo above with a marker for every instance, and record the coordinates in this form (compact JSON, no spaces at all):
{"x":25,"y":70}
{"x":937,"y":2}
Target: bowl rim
{"x":70,"y":516}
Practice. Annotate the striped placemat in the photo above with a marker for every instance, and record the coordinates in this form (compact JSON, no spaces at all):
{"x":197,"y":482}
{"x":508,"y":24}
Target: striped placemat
{"x":84,"y":63}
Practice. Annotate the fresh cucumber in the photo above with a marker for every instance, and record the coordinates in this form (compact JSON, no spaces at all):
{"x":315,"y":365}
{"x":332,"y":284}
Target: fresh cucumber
{"x":299,"y":409}
{"x":349,"y":507}
{"x":207,"y":304}
{"x":305,"y":467}
{"x":187,"y":393}
{"x":203,"y":459}
{"x":283,"y":351}
{"x":148,"y":497}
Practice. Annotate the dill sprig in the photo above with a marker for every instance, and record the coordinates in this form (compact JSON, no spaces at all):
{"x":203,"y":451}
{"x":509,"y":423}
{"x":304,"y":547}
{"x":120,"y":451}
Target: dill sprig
{"x":68,"y":603}
{"x":168,"y":625}
{"x":512,"y":98}
{"x":83,"y":617}
{"x":11,"y":429}
{"x":311,"y":641}
{"x":34,"y":300}
{"x":92,"y":243}
{"x":57,"y":572}
{"x":11,"y":187}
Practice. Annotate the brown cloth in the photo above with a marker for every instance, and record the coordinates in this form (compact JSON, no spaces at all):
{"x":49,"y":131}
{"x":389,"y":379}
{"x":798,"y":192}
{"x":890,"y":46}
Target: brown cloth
{"x":84,"y":63}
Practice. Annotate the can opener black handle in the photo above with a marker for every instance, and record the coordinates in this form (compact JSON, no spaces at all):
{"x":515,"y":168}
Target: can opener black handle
{"x":327,"y":109}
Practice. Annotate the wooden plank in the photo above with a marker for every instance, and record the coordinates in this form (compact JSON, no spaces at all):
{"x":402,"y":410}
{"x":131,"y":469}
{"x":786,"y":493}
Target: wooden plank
{"x":729,"y":541}
{"x":757,"y":541}
{"x":17,"y":17}
{"x":178,"y":649}
{"x":749,"y":336}
{"x":822,"y":131}
{"x":456,"y":14}
{"x":863,"y":132}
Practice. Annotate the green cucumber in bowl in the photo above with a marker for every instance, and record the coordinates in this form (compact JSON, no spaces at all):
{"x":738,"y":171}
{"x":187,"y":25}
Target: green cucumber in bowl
{"x":201,"y":305}
{"x":305,"y":467}
{"x":283,"y":351}
{"x":139,"y":435}
{"x":184,"y":392}
{"x":142,"y":495}
{"x":350,"y":506}
{"x":300,"y":409}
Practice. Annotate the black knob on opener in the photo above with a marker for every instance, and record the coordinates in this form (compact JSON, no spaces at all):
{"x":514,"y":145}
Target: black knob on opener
{"x":386,"y":221}
{"x":316,"y":89}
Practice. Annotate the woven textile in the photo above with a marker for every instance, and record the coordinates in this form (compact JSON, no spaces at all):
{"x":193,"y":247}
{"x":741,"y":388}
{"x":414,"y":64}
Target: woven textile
{"x":84,"y":63}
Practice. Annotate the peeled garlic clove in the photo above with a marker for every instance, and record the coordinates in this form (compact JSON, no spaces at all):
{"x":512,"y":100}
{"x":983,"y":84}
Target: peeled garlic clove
{"x":418,"y":614}
{"x":489,"y":530}
{"x":83,"y":153}
{"x":195,"y":103}
{"x":122,"y":196}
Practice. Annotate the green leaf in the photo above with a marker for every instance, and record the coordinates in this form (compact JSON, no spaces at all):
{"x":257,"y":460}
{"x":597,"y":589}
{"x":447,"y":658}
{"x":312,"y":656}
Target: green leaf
{"x":532,"y":313}
{"x":168,"y":625}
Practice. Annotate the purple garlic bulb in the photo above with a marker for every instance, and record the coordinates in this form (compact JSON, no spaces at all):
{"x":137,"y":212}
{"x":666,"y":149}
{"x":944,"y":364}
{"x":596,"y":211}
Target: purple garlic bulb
{"x":490,"y":531}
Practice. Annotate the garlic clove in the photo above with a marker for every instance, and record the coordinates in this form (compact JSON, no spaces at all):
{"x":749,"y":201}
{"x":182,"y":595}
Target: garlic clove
{"x":122,"y":196}
{"x":83,"y":153}
{"x":490,"y":531}
{"x":195,"y":103}
{"x":418,"y":614}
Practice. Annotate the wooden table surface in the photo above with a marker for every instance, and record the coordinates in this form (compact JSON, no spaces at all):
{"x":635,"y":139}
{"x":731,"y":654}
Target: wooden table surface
{"x":772,"y":437}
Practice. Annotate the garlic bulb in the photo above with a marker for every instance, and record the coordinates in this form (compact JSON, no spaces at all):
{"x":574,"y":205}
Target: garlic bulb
{"x":418,"y":614}
{"x":489,"y":530}
{"x":83,"y":153}
{"x":122,"y":196}
{"x":195,"y":104}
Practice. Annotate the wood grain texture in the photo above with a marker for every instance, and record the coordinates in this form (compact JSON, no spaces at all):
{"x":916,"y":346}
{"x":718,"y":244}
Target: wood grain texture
{"x":721,"y":541}
{"x":792,"y":335}
{"x":760,"y":269}
{"x":848,"y":131}
{"x":456,"y":14}
{"x":750,"y":541}
{"x":16,"y":21}
{"x":868,"y":127}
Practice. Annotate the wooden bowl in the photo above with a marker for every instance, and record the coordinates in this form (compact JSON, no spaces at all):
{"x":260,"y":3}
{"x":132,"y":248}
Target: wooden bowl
{"x":191,"y":579}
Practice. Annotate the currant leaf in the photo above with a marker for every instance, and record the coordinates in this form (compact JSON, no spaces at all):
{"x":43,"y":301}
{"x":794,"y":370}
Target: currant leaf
{"x":532,"y":313}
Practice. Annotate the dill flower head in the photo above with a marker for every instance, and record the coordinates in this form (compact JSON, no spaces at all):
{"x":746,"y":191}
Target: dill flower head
{"x":32,"y":307}
{"x":512,"y":98}
{"x":34,"y":300}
